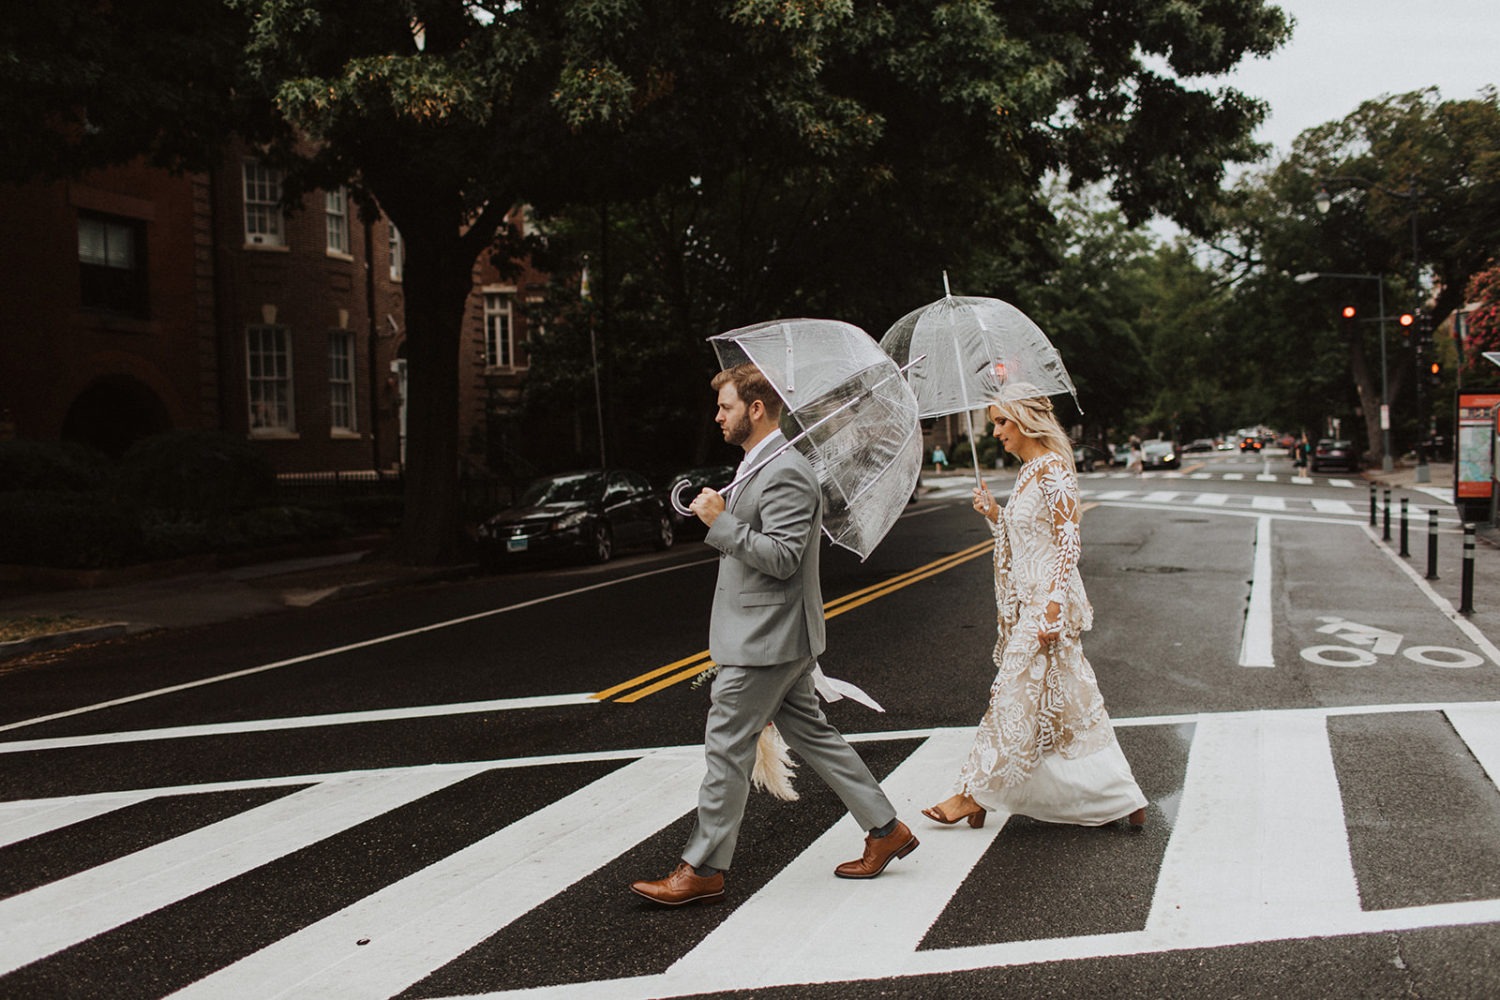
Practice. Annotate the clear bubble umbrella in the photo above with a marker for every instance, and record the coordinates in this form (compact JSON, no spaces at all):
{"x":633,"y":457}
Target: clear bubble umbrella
{"x":848,"y":410}
{"x":961,"y":353}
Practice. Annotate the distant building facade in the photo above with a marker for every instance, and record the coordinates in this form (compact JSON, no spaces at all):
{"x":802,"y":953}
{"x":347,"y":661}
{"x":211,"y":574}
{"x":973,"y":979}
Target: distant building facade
{"x":136,"y":301}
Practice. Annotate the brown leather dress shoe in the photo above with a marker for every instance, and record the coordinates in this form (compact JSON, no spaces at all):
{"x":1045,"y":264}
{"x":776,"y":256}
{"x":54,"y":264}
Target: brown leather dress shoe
{"x":878,"y":853}
{"x":682,"y":886}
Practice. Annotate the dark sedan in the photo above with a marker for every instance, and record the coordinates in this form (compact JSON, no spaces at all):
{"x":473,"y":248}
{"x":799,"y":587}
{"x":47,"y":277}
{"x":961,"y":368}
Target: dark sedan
{"x":1251,"y":444}
{"x":1159,"y":454}
{"x":1329,"y":454}
{"x":583,"y":514}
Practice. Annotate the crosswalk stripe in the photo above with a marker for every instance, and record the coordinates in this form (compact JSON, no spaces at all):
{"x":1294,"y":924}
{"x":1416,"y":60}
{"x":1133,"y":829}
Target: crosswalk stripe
{"x":60,"y":914}
{"x":428,"y":919}
{"x":1259,"y":844}
{"x":843,"y":931}
{"x":1233,"y":476}
{"x":1160,"y":496}
{"x":1268,"y":503}
{"x":1258,"y":851}
{"x":1211,"y":499}
{"x":1479,"y":727}
{"x":1333,"y":507}
{"x":34,"y":819}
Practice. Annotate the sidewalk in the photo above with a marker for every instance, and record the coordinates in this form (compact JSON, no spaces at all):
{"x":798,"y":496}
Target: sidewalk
{"x":205,"y":597}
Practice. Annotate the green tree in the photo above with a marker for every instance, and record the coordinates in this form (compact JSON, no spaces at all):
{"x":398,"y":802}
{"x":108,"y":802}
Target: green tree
{"x":764,"y":157}
{"x":1413,"y":194}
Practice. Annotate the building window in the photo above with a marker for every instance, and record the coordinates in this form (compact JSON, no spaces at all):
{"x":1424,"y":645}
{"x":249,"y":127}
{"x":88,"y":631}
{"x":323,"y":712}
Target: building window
{"x":397,"y":248}
{"x":499,"y":325}
{"x":112,"y":265}
{"x":268,"y":358}
{"x":263,"y":222}
{"x":337,"y":214}
{"x":341,"y":381}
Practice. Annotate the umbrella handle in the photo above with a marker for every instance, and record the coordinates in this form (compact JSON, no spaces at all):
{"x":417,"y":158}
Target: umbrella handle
{"x":674,"y":494}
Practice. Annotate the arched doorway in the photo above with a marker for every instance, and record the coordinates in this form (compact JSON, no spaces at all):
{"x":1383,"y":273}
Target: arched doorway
{"x":113,"y":413}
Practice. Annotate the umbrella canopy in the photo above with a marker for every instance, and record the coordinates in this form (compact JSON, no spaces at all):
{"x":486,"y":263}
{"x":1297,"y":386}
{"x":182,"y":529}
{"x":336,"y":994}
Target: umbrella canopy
{"x":978,"y":350}
{"x":848,"y":410}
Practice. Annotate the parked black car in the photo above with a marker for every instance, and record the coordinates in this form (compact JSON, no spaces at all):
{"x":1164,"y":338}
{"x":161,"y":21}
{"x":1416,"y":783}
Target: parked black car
{"x":586,"y":514}
{"x":1332,"y":454}
{"x":713,"y":476}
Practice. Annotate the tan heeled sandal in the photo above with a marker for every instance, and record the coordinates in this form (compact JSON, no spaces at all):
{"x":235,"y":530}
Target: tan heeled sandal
{"x":976,"y":818}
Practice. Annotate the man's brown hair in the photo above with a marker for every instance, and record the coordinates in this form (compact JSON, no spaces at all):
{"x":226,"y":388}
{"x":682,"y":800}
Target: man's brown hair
{"x":751,"y":385}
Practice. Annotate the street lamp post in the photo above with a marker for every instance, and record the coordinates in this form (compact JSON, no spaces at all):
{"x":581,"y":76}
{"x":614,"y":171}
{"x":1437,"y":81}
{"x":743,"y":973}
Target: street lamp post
{"x":1386,"y":465}
{"x":1324,"y":201}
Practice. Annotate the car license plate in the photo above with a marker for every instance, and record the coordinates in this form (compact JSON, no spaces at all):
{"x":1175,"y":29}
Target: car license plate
{"x":516,"y":544}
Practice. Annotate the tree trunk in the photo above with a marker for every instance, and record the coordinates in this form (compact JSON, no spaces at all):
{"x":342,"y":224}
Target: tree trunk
{"x":437,"y":285}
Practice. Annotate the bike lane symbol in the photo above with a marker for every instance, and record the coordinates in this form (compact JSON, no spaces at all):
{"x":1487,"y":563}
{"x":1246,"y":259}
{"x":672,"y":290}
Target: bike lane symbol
{"x":1367,"y":644}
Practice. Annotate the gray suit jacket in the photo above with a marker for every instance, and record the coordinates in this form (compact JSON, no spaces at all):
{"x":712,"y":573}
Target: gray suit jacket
{"x":768,"y":607}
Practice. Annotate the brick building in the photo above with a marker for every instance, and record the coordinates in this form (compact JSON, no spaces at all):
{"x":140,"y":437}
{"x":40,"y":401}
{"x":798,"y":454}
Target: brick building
{"x":135,"y":301}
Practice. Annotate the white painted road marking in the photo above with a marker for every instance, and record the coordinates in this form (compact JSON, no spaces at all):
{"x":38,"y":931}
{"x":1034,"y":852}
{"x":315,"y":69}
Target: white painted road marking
{"x":59,"y":914}
{"x":1255,"y":647}
{"x":1258,"y":852}
{"x":424,"y":921}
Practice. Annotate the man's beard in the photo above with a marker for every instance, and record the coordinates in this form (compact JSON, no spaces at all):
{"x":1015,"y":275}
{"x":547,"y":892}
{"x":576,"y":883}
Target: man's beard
{"x":739,"y":432}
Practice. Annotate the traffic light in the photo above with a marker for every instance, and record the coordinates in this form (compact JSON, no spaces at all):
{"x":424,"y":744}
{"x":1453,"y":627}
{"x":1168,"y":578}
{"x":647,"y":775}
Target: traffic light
{"x":1348,"y":312}
{"x":1406,"y":320}
{"x":1435,"y":373}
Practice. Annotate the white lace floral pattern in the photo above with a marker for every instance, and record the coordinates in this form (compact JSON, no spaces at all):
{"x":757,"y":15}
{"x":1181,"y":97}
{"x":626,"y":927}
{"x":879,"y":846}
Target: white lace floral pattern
{"x":1041,"y":702}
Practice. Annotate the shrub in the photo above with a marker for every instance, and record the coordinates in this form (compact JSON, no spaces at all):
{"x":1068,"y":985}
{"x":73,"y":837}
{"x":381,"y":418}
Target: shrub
{"x":64,"y":529}
{"x":195,"y":472}
{"x":50,"y":465}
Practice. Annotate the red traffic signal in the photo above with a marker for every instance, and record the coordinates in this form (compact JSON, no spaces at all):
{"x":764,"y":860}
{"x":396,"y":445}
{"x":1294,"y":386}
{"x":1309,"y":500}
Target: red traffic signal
{"x":1348,"y":312}
{"x":1406,"y":319}
{"x":1435,"y":368}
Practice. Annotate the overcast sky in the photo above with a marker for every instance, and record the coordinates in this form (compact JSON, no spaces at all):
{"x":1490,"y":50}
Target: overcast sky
{"x":1344,"y":52}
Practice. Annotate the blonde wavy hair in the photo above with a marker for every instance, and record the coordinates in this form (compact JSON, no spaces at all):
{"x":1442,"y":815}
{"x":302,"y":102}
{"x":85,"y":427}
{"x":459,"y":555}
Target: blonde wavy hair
{"x":1036,"y":420}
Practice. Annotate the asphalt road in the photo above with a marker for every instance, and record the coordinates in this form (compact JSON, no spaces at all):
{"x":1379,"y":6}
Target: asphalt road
{"x":444,"y":791}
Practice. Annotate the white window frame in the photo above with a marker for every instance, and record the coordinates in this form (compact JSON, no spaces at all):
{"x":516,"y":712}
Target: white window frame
{"x":396,"y":246}
{"x":265,"y":223}
{"x":272,"y":410}
{"x":499,"y":328}
{"x":336,"y":215}
{"x":341,"y":380}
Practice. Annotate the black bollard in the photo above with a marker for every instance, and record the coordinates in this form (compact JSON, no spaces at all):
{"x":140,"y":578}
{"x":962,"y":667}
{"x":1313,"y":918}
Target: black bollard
{"x":1403,"y":527}
{"x":1466,"y":602}
{"x":1386,"y":532}
{"x":1372,"y":505}
{"x":1432,"y":545}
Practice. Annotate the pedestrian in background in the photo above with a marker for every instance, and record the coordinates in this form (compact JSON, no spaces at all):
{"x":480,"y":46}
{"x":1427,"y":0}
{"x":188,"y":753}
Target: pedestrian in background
{"x":1137,"y":457}
{"x":939,"y":460}
{"x":1045,"y":748}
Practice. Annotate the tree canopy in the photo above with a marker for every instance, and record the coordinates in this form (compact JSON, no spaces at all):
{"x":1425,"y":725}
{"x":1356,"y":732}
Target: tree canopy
{"x":724,"y":161}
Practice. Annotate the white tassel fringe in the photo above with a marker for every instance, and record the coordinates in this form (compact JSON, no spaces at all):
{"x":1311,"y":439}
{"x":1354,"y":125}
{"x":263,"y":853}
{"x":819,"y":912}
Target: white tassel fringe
{"x":773,"y":765}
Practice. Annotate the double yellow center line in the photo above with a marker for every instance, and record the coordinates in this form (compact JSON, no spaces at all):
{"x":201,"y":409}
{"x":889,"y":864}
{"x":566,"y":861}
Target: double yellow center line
{"x":691,"y":666}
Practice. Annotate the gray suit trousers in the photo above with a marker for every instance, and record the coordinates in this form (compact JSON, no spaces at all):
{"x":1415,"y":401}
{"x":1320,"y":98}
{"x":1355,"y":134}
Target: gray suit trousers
{"x":744,"y":700}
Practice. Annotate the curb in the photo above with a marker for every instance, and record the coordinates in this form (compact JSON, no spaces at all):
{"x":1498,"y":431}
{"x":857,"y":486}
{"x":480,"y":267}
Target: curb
{"x":54,"y":640}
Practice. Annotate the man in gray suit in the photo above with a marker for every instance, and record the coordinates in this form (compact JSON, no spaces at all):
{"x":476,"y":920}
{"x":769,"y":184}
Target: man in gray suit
{"x":765,"y":633}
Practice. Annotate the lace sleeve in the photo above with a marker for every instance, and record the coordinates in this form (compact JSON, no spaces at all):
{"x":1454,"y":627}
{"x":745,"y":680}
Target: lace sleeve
{"x":1060,"y":490}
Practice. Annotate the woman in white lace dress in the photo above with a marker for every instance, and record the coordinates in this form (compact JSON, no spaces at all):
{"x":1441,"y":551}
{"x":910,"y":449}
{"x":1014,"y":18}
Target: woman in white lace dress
{"x":1045,"y":747}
